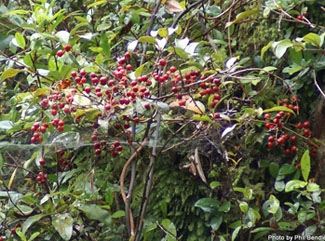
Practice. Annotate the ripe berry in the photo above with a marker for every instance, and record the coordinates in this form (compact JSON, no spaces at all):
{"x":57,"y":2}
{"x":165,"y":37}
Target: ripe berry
{"x":271,"y":138}
{"x":60,"y":53}
{"x":97,"y":152}
{"x":13,"y":231}
{"x":42,"y":162}
{"x":269,"y":144}
{"x":128,"y":67}
{"x":299,"y":125}
{"x":267,"y":116}
{"x":147,"y":105}
{"x":182,"y":103}
{"x":293,"y":138}
{"x":67,"y":48}
{"x":82,"y":72}
{"x":54,"y":111}
{"x":162,"y":62}
{"x":127,"y":55}
{"x":172,"y":69}
{"x":300,"y":18}
{"x":306,"y":124}
{"x":287,"y":152}
{"x":293,"y":148}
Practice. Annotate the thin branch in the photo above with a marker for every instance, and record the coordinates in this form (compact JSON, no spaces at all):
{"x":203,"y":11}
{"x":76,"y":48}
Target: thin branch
{"x":316,"y":84}
{"x":152,"y":20}
{"x":185,"y":12}
{"x":149,"y":178}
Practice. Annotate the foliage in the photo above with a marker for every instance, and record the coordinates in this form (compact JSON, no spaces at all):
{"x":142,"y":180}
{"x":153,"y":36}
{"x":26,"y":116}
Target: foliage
{"x":166,"y":120}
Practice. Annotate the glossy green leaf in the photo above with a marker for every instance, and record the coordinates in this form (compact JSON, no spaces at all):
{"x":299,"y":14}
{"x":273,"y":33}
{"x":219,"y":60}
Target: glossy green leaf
{"x":279,"y":108}
{"x":294,"y":184}
{"x":216,"y":222}
{"x":235,"y":233}
{"x":305,"y":165}
{"x":31,"y":220}
{"x":207,"y":204}
{"x":147,"y":39}
{"x":118,"y":214}
{"x":312,"y":38}
{"x":243,"y":206}
{"x":281,"y":47}
{"x":20,"y":40}
{"x":265,"y":48}
{"x":63,"y":225}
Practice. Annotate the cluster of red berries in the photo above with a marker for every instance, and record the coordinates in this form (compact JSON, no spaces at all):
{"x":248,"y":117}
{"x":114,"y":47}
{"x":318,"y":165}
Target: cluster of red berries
{"x":41,"y":177}
{"x":290,"y":103}
{"x":37,"y":128}
{"x":116,"y":149}
{"x":284,"y":140}
{"x":60,"y":52}
{"x":64,"y":161}
{"x":59,"y":124}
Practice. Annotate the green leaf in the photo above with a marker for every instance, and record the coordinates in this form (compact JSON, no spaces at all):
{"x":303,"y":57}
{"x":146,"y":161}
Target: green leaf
{"x":265,"y":48}
{"x":312,"y":187}
{"x":207,"y":204}
{"x":214,"y":184}
{"x":202,"y":118}
{"x":147,"y":39}
{"x":261,"y":229}
{"x":305,"y":165}
{"x":9,"y":73}
{"x":20,"y":234}
{"x":274,"y":168}
{"x":20,"y":40}
{"x":96,"y":213}
{"x":17,"y":12}
{"x":294,"y":184}
{"x":282,"y":47}
{"x":96,"y":3}
{"x":279,"y":108}
{"x":139,"y":70}
{"x":181,"y":53}
{"x":243,"y":207}
{"x":243,"y":15}
{"x":286,"y":169}
{"x":235,"y":233}
{"x":225,"y":207}
{"x":34,"y":236}
{"x":63,"y":225}
{"x":312,"y":38}
{"x":30,"y":220}
{"x":292,"y":69}
{"x":118,"y":214}
{"x":274,"y":204}
{"x":216,"y":222}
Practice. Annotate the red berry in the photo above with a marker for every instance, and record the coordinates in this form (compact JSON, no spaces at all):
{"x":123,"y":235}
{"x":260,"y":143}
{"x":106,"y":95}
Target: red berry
{"x":54,"y":111}
{"x":128,"y":67}
{"x":97,"y":152}
{"x":119,"y":148}
{"x":267,"y":116}
{"x":300,"y":18}
{"x":269,"y":144}
{"x":271,"y":138}
{"x":182,"y":103}
{"x":287,"y":152}
{"x":60,"y":53}
{"x":293,"y":138}
{"x":306,"y":124}
{"x":293,"y":148}
{"x":127,"y":55}
{"x":42,"y":162}
{"x":13,"y":231}
{"x":162,"y":62}
{"x":299,"y":125}
{"x":147,"y":105}
{"x":67,"y":48}
{"x":82,"y":72}
{"x":73,"y":73}
{"x":172,"y":69}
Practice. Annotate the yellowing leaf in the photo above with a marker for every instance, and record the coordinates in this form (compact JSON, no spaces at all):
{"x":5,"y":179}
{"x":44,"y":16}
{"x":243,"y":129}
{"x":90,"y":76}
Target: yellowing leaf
{"x":12,"y":178}
{"x":9,"y":73}
{"x":173,"y":6}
